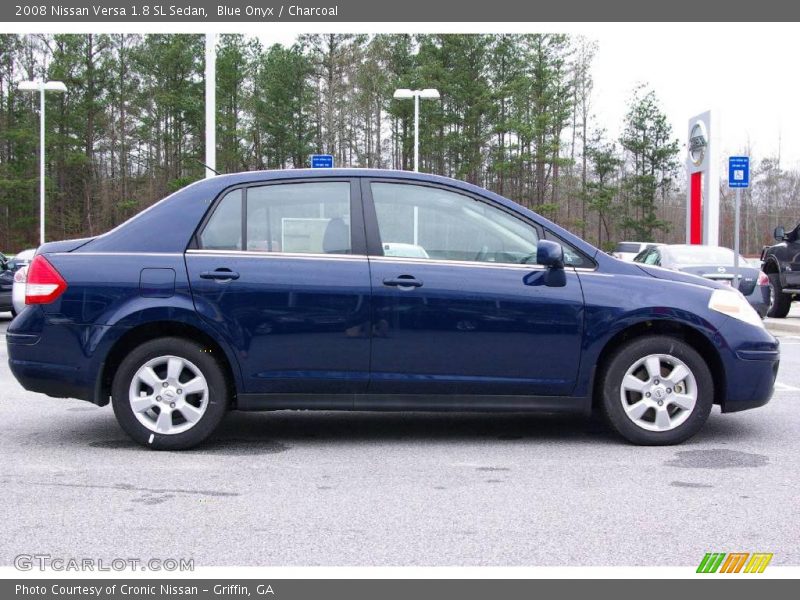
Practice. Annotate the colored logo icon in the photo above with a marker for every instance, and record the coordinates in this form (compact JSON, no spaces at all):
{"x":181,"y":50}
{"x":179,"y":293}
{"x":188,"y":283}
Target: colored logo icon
{"x":734,"y":562}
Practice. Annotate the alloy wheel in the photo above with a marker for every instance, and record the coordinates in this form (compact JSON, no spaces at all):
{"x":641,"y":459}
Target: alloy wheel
{"x":771,"y":296}
{"x":658,"y":392}
{"x":168,"y":395}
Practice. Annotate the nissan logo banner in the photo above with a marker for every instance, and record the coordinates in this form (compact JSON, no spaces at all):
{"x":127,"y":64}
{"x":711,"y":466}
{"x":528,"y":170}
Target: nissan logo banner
{"x":698,"y":142}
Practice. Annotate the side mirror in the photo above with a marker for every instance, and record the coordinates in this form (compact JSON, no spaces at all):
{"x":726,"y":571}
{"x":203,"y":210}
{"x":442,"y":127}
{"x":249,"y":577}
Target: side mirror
{"x":550,"y":254}
{"x":779,"y":233}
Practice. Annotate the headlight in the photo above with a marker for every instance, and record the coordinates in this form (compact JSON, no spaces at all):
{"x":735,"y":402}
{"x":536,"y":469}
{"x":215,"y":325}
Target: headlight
{"x":733,"y":304}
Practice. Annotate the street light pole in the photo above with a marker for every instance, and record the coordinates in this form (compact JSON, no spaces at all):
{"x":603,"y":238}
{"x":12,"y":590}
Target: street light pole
{"x":41,"y":165}
{"x":738,"y":278}
{"x":416,"y":132}
{"x":404,"y":93}
{"x":211,"y":104}
{"x":41,"y":87}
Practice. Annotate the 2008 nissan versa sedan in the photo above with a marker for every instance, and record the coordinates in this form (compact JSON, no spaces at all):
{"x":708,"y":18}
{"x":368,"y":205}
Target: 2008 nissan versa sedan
{"x":375,"y":290}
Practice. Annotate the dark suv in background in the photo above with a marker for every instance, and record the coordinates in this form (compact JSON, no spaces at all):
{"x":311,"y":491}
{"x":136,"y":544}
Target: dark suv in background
{"x":781,"y":263}
{"x":6,"y":283}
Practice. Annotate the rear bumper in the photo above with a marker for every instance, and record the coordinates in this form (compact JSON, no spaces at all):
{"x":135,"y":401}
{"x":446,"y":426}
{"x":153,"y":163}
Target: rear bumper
{"x":58,"y":381}
{"x":759,"y":299}
{"x":58,"y":361}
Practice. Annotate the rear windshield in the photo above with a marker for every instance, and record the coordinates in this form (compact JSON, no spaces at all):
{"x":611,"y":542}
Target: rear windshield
{"x":628,"y":247}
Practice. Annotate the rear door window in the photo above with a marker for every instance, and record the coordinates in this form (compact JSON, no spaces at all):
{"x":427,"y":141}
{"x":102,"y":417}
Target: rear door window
{"x":306,"y":218}
{"x":291,"y":218}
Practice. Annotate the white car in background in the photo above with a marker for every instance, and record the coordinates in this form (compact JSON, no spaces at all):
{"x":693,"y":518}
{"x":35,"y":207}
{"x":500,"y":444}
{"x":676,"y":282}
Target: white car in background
{"x":23,"y":259}
{"x":628,"y":250}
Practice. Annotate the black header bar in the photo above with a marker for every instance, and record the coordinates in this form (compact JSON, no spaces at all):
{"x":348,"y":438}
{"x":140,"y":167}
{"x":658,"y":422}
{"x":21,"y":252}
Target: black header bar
{"x":443,"y":11}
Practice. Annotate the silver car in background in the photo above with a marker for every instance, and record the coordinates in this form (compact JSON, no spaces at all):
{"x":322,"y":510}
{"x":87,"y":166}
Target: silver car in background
{"x":715,"y":263}
{"x":628,"y":250}
{"x":21,"y":262}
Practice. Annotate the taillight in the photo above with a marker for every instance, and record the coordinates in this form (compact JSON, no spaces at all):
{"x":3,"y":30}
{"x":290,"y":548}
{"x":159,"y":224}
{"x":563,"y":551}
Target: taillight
{"x":762,"y":278}
{"x":44,"y":284}
{"x":21,"y":276}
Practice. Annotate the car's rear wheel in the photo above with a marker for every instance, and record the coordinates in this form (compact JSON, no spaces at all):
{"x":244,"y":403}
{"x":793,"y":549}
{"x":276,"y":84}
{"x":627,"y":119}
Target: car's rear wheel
{"x":657,"y":390}
{"x":169,"y":394}
{"x":779,"y":303}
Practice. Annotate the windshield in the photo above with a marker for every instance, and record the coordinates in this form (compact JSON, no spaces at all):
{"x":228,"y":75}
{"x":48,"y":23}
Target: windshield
{"x":703,"y":255}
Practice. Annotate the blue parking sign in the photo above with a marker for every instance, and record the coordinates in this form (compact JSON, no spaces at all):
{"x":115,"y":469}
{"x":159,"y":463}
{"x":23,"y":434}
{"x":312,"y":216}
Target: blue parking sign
{"x":739,"y":171}
{"x":321,"y":161}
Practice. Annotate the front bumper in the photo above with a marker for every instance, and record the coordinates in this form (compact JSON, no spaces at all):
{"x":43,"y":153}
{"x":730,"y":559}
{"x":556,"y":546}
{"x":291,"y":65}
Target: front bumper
{"x":5,"y":300}
{"x":751,"y":360}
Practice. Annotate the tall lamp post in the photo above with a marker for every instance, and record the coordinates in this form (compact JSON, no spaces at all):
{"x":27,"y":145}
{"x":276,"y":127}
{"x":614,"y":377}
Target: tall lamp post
{"x":41,"y":87}
{"x":404,"y":93}
{"x":211,"y":104}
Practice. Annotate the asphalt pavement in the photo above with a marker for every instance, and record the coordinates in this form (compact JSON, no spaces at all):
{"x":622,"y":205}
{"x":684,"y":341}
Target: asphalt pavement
{"x":326,"y":488}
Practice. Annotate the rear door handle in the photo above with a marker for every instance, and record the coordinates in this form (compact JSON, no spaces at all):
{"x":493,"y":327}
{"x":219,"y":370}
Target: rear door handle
{"x":403,"y":281}
{"x":222,"y":274}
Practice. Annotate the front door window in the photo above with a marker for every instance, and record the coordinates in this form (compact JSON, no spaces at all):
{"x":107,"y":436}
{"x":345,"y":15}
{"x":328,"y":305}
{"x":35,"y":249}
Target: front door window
{"x":416,"y":221}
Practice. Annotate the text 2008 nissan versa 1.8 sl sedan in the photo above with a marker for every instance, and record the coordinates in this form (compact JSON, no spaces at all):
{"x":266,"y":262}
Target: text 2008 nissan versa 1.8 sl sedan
{"x":375,"y":290}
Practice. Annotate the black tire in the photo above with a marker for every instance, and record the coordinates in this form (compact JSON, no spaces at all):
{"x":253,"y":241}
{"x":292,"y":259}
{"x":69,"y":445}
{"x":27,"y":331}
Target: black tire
{"x":13,"y":313}
{"x":623,"y":359}
{"x":218,"y":395}
{"x":779,"y":303}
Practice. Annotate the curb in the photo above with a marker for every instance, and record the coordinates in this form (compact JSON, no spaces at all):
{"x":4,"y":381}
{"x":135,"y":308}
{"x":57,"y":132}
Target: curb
{"x":782,"y":326}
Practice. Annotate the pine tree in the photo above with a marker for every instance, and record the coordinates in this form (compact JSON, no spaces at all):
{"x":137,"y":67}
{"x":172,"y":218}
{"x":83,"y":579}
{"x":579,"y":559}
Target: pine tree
{"x":651,"y":153}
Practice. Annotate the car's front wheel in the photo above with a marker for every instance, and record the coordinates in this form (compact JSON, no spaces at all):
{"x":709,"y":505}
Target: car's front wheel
{"x":169,"y":394}
{"x":779,"y":303}
{"x":657,"y":390}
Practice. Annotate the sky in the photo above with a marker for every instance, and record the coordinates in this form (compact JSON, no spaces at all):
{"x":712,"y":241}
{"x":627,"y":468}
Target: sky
{"x":750,"y":80}
{"x":746,"y":73}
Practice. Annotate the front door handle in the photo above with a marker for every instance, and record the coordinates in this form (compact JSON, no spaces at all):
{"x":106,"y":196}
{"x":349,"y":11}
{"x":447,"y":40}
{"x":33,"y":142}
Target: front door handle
{"x":403,"y":281}
{"x":222,"y":274}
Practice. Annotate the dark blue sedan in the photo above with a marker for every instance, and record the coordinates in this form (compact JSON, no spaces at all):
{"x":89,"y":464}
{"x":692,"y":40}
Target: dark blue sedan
{"x":375,"y":290}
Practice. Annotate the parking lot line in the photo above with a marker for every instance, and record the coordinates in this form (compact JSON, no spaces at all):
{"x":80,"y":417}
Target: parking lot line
{"x":783,"y":387}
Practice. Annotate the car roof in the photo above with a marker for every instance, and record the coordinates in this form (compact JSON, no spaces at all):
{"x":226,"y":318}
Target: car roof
{"x":25,"y":254}
{"x":695,"y":246}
